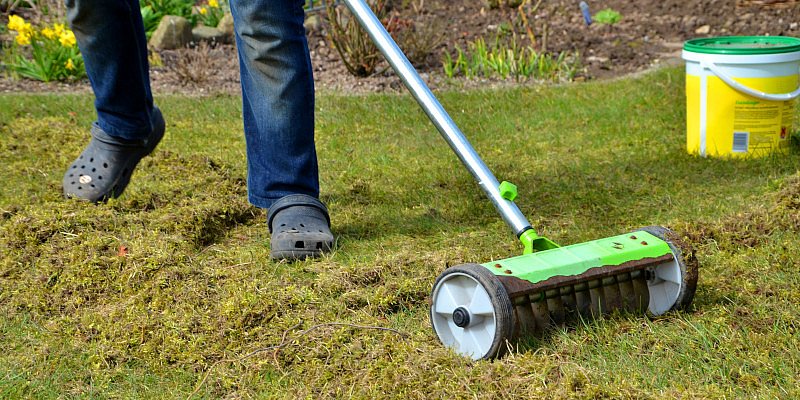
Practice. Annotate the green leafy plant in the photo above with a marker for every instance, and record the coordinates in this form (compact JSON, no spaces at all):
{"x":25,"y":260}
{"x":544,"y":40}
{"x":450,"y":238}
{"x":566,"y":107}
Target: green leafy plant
{"x":212,"y":12}
{"x":450,"y":65}
{"x":358,"y":53}
{"x":509,"y":60}
{"x":181,"y":8}
{"x":607,"y":17}
{"x":150,"y":19}
{"x":153,"y":10}
{"x":46,"y":54}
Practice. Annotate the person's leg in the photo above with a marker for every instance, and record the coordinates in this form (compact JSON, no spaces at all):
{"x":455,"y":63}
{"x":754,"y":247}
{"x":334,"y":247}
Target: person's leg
{"x":278,"y":112}
{"x":111,"y":37}
{"x":277,"y":99}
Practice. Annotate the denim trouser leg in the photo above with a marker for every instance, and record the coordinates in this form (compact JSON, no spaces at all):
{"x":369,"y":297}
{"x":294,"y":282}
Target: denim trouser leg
{"x":277,"y":86}
{"x":111,"y":37}
{"x":277,"y":99}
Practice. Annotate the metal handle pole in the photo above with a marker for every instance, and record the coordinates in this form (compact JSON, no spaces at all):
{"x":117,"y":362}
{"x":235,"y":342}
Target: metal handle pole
{"x":463,"y":149}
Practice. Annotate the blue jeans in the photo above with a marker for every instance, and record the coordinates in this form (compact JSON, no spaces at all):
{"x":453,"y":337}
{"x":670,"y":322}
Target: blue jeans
{"x":277,"y":86}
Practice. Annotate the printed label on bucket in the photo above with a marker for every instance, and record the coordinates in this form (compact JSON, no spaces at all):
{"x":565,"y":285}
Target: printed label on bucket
{"x":738,"y":125}
{"x":759,"y":123}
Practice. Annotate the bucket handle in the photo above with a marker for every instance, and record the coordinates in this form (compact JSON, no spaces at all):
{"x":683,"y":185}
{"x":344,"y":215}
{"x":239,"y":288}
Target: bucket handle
{"x":750,"y":91}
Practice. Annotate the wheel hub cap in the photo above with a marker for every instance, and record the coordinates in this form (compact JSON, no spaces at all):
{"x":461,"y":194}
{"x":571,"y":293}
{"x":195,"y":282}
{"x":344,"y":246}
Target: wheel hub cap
{"x":461,"y":317}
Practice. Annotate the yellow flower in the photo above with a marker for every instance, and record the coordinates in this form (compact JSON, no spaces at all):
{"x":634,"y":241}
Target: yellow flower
{"x":24,"y":30}
{"x":203,"y":10}
{"x":49,"y":33}
{"x":67,"y":39}
{"x":23,"y":38}
{"x":213,"y":4}
{"x":59,"y":29}
{"x":15,"y":23}
{"x":69,"y":65}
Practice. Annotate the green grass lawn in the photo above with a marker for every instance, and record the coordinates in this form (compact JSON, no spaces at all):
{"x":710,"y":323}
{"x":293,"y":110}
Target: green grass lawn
{"x":169,"y":288}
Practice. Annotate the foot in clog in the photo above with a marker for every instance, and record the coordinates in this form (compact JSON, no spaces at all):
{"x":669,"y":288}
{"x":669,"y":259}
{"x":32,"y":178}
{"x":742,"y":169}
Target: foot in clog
{"x":104,"y":168}
{"x":300,"y":228}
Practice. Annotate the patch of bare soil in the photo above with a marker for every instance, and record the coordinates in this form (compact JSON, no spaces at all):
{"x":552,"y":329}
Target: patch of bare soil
{"x":650,"y":33}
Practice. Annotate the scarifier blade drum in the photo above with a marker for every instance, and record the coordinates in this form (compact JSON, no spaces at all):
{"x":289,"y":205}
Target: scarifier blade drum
{"x":501,"y":307}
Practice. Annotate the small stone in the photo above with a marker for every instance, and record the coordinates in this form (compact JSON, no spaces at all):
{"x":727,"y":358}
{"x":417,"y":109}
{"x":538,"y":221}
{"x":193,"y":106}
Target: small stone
{"x":202,"y":33}
{"x":703,"y":30}
{"x":226,"y":26}
{"x":172,"y":33}
{"x":596,"y":59}
{"x":312,"y":23}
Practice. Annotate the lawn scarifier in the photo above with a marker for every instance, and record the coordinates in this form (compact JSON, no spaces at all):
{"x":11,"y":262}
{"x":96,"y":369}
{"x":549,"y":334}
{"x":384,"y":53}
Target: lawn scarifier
{"x":478,"y":309}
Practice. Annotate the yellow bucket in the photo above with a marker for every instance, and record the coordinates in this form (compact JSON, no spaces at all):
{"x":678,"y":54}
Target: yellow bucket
{"x":740,"y":94}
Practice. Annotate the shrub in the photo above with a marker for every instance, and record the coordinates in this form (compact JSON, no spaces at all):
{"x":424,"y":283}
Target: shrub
{"x":416,"y":39}
{"x":45,"y":54}
{"x":194,"y":66}
{"x":358,"y":53}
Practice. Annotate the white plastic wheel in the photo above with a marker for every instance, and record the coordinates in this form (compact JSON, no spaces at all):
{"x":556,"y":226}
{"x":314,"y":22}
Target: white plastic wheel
{"x":664,"y":287}
{"x":673,"y":283}
{"x":464,"y":314}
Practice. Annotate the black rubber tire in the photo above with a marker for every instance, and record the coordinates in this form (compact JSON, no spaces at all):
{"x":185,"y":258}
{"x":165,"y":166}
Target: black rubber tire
{"x":686,"y":261}
{"x":503,"y":308}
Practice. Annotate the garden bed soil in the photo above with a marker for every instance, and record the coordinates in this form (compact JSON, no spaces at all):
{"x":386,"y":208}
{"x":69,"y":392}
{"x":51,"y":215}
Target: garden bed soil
{"x":650,"y":33}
